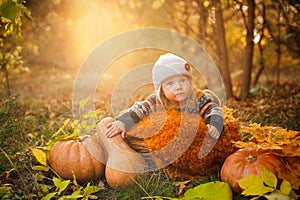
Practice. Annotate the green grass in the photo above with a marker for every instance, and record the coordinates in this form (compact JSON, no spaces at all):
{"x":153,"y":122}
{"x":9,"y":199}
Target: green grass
{"x":12,"y":134}
{"x":147,"y":185}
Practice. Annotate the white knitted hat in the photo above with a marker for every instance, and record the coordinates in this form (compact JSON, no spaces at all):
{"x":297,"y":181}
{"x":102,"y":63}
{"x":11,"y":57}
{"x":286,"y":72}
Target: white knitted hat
{"x":166,"y":66}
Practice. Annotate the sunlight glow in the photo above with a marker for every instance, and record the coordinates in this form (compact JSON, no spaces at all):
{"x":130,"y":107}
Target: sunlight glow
{"x":256,"y":38}
{"x":92,"y":22}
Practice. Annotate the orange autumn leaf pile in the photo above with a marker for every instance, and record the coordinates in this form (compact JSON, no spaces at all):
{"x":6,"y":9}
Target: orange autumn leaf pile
{"x":284,"y":143}
{"x":175,"y":133}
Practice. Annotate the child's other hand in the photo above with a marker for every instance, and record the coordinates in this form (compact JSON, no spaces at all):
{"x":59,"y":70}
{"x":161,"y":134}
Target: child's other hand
{"x":115,"y":128}
{"x":213,"y":131}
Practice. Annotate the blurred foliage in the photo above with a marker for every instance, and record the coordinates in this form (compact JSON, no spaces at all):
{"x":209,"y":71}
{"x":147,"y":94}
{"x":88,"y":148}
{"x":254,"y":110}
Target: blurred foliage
{"x":75,"y":28}
{"x":11,"y":62}
{"x":279,"y":27}
{"x":12,"y":12}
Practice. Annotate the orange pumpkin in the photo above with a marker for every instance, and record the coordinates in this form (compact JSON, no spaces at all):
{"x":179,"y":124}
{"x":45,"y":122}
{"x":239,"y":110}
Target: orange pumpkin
{"x":248,"y":161}
{"x":82,"y":156}
{"x":123,"y":163}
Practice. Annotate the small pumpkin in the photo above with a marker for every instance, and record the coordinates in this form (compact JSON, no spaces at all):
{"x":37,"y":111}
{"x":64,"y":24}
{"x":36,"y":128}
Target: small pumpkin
{"x":123,"y":163}
{"x":248,"y":161}
{"x":82,"y":156}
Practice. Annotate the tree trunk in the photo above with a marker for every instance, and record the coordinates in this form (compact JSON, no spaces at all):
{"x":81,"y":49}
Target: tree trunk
{"x":220,"y":40}
{"x":202,"y":20}
{"x":278,"y":50}
{"x":261,"y":49}
{"x":248,"y":51}
{"x":262,"y":63}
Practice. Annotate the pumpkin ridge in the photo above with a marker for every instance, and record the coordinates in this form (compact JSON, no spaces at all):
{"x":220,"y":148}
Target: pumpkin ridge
{"x":88,"y":160}
{"x":62,"y":146}
{"x":75,"y":160}
{"x":95,"y":162}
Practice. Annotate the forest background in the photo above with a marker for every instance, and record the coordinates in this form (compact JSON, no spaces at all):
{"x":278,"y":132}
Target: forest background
{"x":254,"y":43}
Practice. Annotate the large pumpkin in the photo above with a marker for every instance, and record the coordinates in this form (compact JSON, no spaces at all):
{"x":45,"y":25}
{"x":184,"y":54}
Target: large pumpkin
{"x":82,"y":156}
{"x":123,"y":163}
{"x":248,"y":161}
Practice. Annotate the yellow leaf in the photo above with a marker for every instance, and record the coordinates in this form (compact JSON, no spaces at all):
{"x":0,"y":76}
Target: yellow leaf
{"x":66,"y":122}
{"x":40,"y":167}
{"x":39,"y":155}
{"x":285,"y":187}
{"x":74,"y":123}
{"x":269,"y":178}
{"x":83,"y":102}
{"x":253,"y":185}
{"x":75,"y":134}
{"x":61,"y":185}
{"x":250,"y":180}
{"x":92,"y":114}
{"x":257,"y":190}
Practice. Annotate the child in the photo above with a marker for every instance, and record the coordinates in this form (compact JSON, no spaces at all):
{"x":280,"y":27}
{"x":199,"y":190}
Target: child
{"x":172,"y":79}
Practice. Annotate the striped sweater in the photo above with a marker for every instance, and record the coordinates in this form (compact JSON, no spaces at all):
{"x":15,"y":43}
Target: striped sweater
{"x":199,"y":103}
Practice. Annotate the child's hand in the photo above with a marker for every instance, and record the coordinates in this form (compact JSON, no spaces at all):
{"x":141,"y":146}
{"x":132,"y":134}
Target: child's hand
{"x":115,"y":128}
{"x":213,"y":131}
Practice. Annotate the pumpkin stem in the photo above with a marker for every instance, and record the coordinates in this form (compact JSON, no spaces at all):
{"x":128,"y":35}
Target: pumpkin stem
{"x":251,"y":158}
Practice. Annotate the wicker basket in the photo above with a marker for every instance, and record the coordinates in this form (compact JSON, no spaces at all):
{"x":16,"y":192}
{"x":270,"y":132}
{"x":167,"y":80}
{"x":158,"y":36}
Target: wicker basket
{"x":178,"y":143}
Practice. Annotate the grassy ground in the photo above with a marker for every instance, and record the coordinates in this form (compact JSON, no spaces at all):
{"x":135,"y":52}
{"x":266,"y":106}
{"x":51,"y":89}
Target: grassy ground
{"x":45,"y":101}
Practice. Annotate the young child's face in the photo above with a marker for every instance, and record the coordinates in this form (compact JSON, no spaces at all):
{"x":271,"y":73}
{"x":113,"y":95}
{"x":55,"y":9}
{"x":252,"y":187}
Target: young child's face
{"x":177,"y":88}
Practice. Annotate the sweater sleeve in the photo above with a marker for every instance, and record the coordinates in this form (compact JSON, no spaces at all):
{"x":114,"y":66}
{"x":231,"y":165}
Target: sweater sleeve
{"x":137,"y":112}
{"x":211,"y":112}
